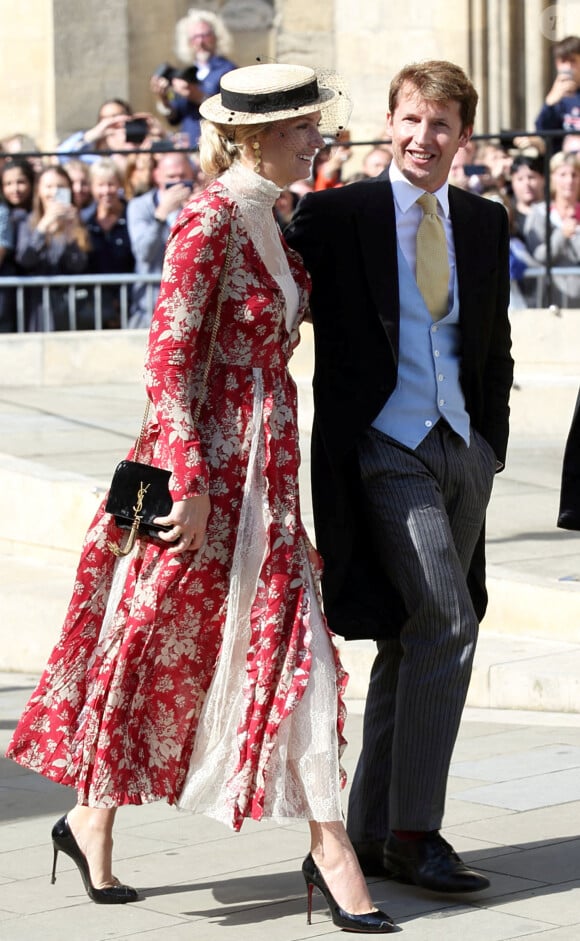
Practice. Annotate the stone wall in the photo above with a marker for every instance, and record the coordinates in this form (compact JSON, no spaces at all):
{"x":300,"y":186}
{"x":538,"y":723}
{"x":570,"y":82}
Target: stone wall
{"x":374,"y":40}
{"x":59,"y":59}
{"x":27,"y":70}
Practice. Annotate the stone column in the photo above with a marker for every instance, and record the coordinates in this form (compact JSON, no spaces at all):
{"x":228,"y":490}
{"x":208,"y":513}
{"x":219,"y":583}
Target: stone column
{"x":27,"y":103}
{"x":306,"y":32}
{"x":60,"y":60}
{"x":479,"y":72}
{"x":91,"y":59}
{"x":537,"y":79}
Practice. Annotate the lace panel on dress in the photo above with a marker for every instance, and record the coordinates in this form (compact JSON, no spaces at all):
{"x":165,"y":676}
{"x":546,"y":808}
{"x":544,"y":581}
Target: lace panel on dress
{"x":303,"y":773}
{"x":256,"y":197}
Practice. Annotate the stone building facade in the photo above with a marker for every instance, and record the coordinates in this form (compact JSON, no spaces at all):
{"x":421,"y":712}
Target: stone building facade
{"x":60,"y":58}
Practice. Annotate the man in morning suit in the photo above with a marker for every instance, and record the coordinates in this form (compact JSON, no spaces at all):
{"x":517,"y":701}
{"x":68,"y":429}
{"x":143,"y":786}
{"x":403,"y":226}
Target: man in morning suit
{"x":411,"y":387}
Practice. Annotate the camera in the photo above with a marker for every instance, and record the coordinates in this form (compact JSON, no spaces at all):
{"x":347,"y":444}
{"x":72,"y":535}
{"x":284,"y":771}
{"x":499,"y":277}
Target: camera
{"x":165,"y":70}
{"x":136,"y":130}
{"x":188,"y":75}
{"x":169,"y":72}
{"x":475,"y":169}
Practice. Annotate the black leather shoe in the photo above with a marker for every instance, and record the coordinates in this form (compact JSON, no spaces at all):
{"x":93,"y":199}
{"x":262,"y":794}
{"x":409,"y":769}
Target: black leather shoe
{"x":374,"y":922}
{"x":430,"y":863}
{"x":371,"y":858}
{"x":63,"y":841}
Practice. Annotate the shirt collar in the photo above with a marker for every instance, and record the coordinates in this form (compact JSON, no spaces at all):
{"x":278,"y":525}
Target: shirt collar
{"x":406,"y":194}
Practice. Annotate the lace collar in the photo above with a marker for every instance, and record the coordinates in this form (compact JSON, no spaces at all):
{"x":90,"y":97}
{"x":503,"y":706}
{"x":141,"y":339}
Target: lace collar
{"x":255,"y":197}
{"x":249,"y":187}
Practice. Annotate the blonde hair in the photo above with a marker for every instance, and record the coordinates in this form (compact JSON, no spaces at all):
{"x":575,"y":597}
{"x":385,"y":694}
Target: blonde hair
{"x":75,"y":163}
{"x":559,"y":160}
{"x":105,"y":166}
{"x":133,"y":169}
{"x":220,"y":144}
{"x":222,"y":34}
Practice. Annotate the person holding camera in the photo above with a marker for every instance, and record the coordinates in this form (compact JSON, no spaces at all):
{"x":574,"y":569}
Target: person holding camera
{"x":108,"y":133}
{"x":201,"y":43}
{"x":149,"y":219}
{"x":118,"y":129}
{"x":561,"y":108}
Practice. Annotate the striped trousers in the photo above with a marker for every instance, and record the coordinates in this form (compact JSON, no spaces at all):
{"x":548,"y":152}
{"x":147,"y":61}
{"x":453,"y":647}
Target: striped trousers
{"x":426,"y":509}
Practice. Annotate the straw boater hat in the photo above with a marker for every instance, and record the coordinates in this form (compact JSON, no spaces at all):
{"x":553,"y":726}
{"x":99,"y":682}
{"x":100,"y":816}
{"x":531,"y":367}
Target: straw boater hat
{"x":272,"y":92}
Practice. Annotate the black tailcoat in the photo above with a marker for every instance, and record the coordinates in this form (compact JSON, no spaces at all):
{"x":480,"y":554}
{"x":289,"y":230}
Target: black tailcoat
{"x":569,"y":511}
{"x":347,"y":238}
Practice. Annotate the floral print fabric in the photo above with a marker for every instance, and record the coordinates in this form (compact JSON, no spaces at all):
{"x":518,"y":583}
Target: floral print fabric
{"x":117,"y":709}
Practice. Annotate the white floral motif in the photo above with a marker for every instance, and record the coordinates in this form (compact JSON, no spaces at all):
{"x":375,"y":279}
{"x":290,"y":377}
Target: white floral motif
{"x":118,"y":719}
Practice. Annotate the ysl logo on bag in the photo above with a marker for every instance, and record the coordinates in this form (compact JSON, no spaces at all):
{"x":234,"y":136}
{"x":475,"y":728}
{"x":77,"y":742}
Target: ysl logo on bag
{"x":140,"y":497}
{"x":125,"y":550}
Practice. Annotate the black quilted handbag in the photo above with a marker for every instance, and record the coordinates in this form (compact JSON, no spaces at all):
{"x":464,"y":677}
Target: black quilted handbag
{"x":138,"y":494}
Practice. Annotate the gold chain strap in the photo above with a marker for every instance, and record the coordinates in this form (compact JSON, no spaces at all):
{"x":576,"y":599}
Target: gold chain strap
{"x":210,"y":351}
{"x":214,"y":330}
{"x":130,"y":542}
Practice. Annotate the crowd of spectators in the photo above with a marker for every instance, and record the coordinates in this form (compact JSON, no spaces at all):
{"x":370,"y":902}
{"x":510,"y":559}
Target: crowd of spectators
{"x":202,"y":46}
{"x":511,"y":170}
{"x":98,"y":217}
{"x":105,"y":202}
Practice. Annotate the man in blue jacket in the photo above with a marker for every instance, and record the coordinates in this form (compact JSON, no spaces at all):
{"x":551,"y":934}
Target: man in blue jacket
{"x":561,"y":108}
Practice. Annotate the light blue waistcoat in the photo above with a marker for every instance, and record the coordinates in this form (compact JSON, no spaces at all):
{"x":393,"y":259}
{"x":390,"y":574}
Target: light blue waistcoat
{"x":428,"y":386}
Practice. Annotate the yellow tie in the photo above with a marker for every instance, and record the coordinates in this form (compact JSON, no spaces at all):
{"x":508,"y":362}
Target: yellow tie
{"x":432,"y":258}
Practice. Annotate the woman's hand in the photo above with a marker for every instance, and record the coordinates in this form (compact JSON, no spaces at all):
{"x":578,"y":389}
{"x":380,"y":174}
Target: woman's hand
{"x":569,"y":225}
{"x":57,"y":217}
{"x":188,"y":519}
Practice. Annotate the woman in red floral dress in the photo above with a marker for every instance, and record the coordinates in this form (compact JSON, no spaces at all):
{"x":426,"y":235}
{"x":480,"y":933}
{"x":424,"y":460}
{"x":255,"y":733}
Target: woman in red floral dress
{"x":199,"y":668}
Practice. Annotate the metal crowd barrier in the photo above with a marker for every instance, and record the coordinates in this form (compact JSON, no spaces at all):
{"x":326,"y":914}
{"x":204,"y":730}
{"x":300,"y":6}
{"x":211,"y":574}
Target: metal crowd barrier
{"x":543,"y":275}
{"x":539,"y":275}
{"x":78,"y":287}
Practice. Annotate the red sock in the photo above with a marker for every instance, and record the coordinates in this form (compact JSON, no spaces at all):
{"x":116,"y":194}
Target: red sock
{"x":409,"y":835}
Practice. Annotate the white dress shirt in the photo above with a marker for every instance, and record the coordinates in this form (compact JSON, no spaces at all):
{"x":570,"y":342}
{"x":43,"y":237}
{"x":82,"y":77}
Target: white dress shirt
{"x":408,"y":216}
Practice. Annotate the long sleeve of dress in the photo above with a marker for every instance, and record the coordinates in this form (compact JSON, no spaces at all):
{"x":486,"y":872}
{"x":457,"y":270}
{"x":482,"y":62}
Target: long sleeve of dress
{"x":175,"y":358}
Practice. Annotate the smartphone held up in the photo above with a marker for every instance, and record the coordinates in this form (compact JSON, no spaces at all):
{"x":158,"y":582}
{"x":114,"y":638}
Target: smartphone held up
{"x":63,"y":195}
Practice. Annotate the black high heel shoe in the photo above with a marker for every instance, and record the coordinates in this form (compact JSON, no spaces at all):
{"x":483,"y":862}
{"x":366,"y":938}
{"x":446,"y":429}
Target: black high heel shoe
{"x":370,"y":923}
{"x":63,"y":840}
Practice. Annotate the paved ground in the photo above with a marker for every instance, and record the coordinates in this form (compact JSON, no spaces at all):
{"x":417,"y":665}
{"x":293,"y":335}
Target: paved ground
{"x":87,"y":429}
{"x":514,"y":794}
{"x":513,"y":811}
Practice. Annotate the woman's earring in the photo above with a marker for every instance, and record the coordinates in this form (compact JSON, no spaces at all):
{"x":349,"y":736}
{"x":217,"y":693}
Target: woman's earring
{"x":257,"y":156}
